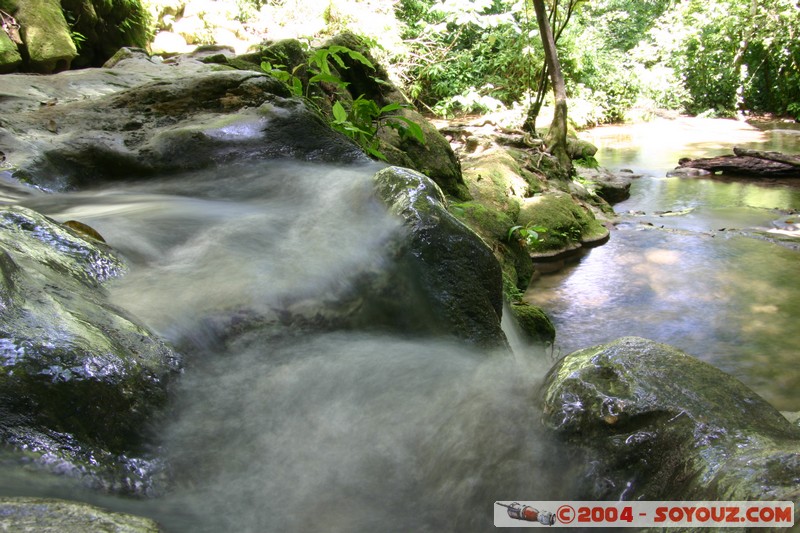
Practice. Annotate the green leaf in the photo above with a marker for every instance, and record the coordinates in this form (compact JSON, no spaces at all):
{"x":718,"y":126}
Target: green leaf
{"x":339,"y":112}
{"x":376,"y":153}
{"x":408,"y":129}
{"x":390,"y":107}
{"x":320,"y":60}
{"x":339,"y":61}
{"x":358,"y":56}
{"x":328,"y":78}
{"x":296,"y":87}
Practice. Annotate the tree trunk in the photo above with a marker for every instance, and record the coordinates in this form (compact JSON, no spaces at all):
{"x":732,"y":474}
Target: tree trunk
{"x":556,"y":138}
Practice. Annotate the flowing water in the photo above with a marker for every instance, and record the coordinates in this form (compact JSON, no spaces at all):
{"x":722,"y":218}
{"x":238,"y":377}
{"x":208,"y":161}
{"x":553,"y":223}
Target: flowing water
{"x":337,"y":431}
{"x":690,"y":264}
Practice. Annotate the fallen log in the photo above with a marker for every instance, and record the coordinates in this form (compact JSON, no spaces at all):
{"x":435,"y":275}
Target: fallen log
{"x":750,"y":163}
{"x":772,"y":156}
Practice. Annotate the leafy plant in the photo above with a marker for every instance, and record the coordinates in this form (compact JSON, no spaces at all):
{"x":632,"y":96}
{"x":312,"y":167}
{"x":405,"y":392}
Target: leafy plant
{"x":588,"y":161}
{"x":281,"y":73}
{"x":526,"y":235}
{"x":362,"y":121}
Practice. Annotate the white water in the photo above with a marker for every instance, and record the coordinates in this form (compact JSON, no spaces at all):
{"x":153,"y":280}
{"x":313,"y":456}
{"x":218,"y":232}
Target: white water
{"x":339,"y":431}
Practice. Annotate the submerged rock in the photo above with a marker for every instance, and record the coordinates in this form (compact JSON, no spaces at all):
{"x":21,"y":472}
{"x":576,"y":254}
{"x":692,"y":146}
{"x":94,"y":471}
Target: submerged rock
{"x":657,"y":424}
{"x":45,"y":515}
{"x":79,"y":379}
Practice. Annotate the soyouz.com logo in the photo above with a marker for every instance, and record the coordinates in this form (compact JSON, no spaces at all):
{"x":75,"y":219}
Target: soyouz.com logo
{"x":643,"y":514}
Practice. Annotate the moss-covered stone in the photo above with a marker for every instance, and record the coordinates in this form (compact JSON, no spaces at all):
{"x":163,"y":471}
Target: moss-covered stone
{"x":105,"y":27}
{"x":52,"y":515}
{"x":580,"y":149}
{"x":46,"y":35}
{"x":433,"y":157}
{"x":79,"y":380}
{"x":10,"y":58}
{"x":534,"y":323}
{"x":494,"y":180}
{"x":451,"y":275}
{"x":658,"y":424}
{"x":489,"y":223}
{"x":493,"y":227}
{"x":566,"y":221}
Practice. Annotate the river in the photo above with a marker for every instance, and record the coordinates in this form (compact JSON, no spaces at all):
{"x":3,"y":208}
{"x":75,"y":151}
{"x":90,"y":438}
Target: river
{"x":691,"y":263}
{"x":366,"y":431}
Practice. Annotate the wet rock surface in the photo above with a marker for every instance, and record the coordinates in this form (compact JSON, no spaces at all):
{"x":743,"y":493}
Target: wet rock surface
{"x":142,"y":117}
{"x":79,"y":379}
{"x":655,"y":423}
{"x":455,"y":275}
{"x":46,"y":515}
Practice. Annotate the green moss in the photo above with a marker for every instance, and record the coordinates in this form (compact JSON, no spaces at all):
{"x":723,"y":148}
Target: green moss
{"x":566,"y":220}
{"x":489,"y":223}
{"x":534,"y":322}
{"x":46,"y":35}
{"x":494,"y":180}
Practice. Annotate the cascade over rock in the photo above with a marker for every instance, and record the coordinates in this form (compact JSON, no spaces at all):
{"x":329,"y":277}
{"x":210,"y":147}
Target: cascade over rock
{"x":449,"y":267}
{"x":79,"y":379}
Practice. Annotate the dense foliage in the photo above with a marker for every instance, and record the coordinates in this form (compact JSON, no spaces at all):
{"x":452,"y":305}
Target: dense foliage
{"x":698,"y":56}
{"x":619,"y":57}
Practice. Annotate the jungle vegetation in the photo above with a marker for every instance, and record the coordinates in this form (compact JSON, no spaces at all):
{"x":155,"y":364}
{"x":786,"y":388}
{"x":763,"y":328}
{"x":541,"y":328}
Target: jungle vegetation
{"x":619,"y":58}
{"x":711,"y":57}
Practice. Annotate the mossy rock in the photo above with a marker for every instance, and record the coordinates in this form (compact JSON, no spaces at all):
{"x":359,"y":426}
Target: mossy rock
{"x":580,"y":149}
{"x":433,"y":157}
{"x":51,"y":515}
{"x":46,"y":35}
{"x":445,"y":271}
{"x":567,"y":222}
{"x":493,"y":227}
{"x":495,"y":180}
{"x":374,"y":84}
{"x":289,"y":53}
{"x":106,"y":26}
{"x":10,"y":58}
{"x":534,"y":322}
{"x":654,"y":423}
{"x":491,"y":224}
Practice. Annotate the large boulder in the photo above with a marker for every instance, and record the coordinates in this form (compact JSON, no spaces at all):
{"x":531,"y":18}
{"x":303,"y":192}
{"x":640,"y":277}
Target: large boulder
{"x":657,"y":424}
{"x":452,"y":276}
{"x":205,"y":116}
{"x":80,"y":380}
{"x":46,"y":36}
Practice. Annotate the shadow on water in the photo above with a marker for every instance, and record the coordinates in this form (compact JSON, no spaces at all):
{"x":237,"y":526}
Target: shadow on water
{"x":337,"y":431}
{"x":691,"y":263}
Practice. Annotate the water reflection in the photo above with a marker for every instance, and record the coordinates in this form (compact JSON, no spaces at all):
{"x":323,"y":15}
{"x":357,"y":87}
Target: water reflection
{"x":683,"y":267}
